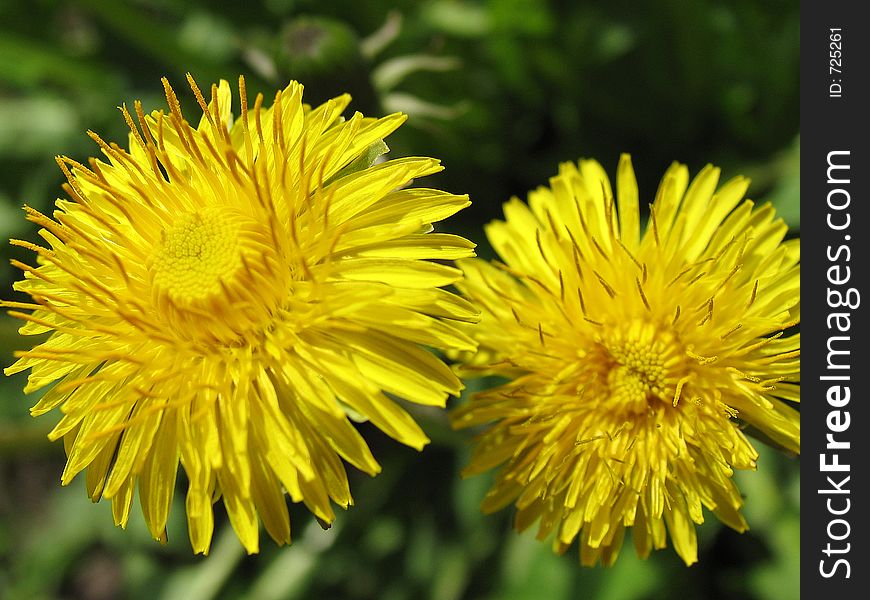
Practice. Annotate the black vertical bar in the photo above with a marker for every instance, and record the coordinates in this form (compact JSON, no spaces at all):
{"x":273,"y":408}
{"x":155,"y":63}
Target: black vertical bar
{"x":835,"y":418}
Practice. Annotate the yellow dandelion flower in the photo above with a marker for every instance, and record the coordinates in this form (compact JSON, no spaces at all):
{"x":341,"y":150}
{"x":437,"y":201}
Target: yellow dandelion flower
{"x":632,"y":359}
{"x":228,"y":296}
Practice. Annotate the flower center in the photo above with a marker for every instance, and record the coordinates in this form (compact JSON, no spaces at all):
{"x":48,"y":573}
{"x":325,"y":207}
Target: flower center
{"x":196,"y":254}
{"x":643,"y":365}
{"x":216,"y":276}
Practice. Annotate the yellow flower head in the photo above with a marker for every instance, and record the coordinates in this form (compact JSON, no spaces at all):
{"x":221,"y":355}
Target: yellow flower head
{"x":228,"y":295}
{"x":632,"y":359}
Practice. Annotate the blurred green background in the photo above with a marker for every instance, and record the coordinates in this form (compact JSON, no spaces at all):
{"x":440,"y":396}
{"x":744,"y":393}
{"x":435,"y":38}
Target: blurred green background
{"x":501,"y":91}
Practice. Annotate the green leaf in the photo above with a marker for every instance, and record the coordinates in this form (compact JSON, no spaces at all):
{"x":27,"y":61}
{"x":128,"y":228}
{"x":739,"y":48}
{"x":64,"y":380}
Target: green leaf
{"x":362,"y":162}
